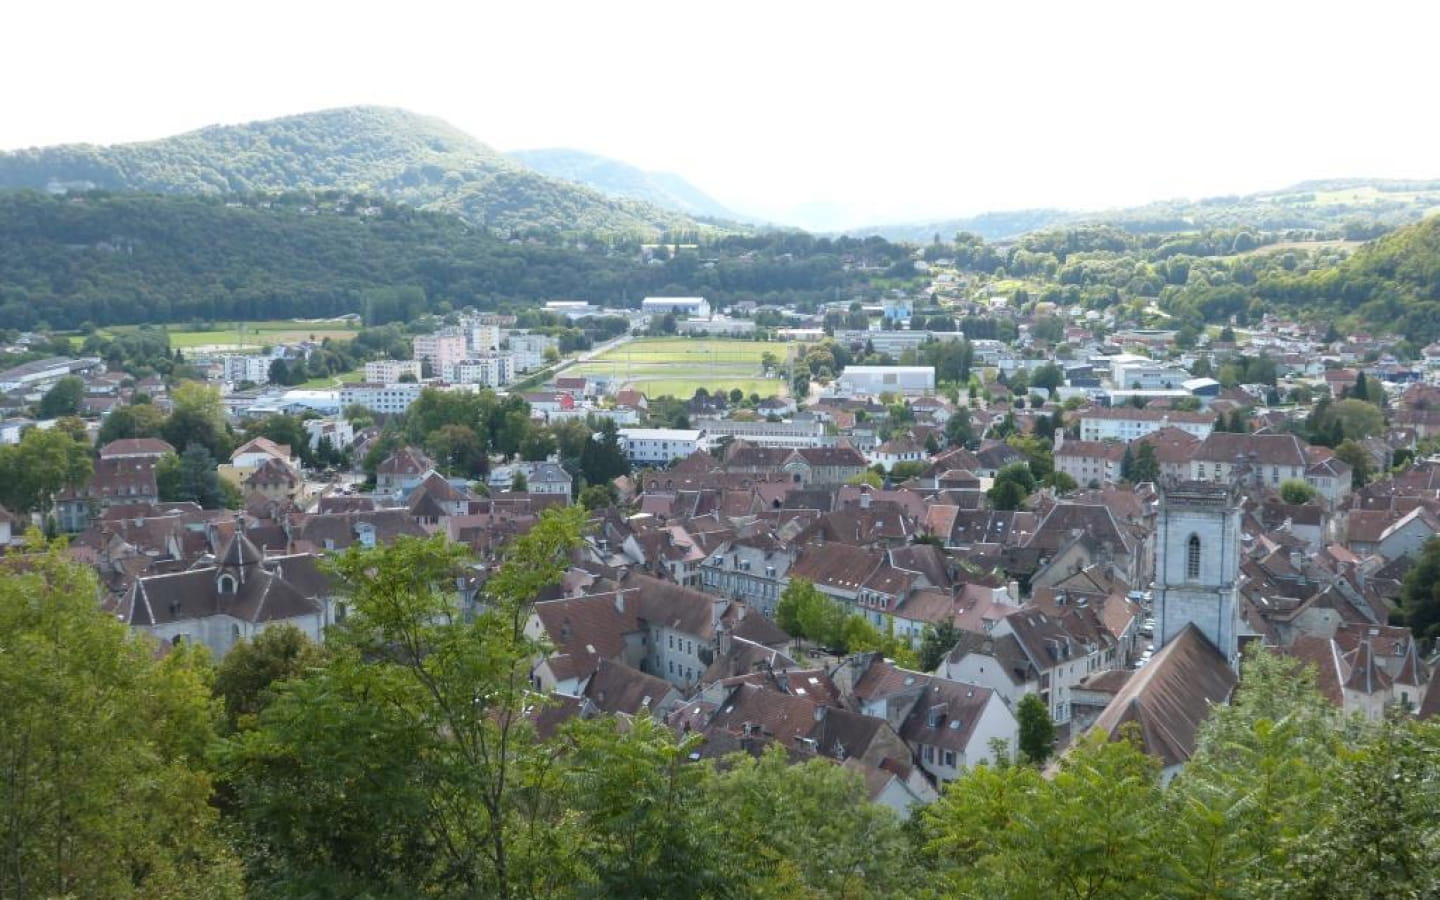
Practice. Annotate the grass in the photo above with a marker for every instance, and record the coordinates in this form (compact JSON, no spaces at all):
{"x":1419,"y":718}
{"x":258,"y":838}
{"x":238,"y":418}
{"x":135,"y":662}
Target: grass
{"x":227,"y":336}
{"x":332,"y":381}
{"x":687,"y":350}
{"x":677,"y":366}
{"x":684,"y":388}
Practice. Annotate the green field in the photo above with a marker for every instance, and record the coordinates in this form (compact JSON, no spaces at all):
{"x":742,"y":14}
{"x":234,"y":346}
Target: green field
{"x":248,"y":335}
{"x":332,"y":381}
{"x":677,"y":366}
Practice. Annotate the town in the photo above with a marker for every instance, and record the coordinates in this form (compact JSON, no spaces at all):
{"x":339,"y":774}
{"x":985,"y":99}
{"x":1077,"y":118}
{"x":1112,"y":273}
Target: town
{"x":863,"y":533}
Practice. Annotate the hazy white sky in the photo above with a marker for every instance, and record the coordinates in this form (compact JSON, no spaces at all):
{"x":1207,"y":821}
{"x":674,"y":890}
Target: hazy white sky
{"x":883,"y":111}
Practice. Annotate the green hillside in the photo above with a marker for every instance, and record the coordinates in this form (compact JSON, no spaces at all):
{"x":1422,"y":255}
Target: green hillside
{"x":1353,"y":208}
{"x":622,"y":180}
{"x":132,"y":258}
{"x":402,"y":156}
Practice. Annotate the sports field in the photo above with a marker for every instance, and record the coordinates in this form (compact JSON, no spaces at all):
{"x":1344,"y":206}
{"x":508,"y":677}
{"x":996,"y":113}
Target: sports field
{"x":234,"y":336}
{"x":677,"y":366}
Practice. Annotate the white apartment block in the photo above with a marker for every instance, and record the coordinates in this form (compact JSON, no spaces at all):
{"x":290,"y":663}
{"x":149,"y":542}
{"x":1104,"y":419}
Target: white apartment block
{"x":487,"y":371}
{"x":484,"y":338}
{"x":247,"y":368}
{"x":1124,"y":423}
{"x":528,"y":349}
{"x":694,"y":307}
{"x":660,"y":445}
{"x":385,"y":399}
{"x":388,"y":371}
{"x":441,"y":349}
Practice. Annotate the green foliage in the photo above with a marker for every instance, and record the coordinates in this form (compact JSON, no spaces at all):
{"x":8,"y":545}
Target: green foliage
{"x":191,"y":477}
{"x":132,"y":421}
{"x":247,"y":679}
{"x":40,"y":466}
{"x":63,"y":399}
{"x":1092,"y":831}
{"x":1037,"y":729}
{"x":310,"y":255}
{"x":1420,"y":595}
{"x":1296,"y":491}
{"x":935,"y":642}
{"x":1358,"y":458}
{"x":406,"y":765}
{"x":105,"y":791}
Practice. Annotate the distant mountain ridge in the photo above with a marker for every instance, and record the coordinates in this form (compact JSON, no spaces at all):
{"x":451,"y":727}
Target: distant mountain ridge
{"x":1310,"y":205}
{"x":419,"y":160}
{"x":615,"y":178}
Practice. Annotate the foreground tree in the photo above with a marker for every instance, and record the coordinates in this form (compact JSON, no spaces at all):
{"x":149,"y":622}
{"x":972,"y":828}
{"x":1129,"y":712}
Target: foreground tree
{"x":406,"y":766}
{"x":103,"y":791}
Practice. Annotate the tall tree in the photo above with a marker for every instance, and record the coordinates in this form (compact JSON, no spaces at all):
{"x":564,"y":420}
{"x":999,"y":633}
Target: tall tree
{"x":63,"y":399}
{"x":438,"y":790}
{"x":103,"y":786}
{"x":1037,"y":729}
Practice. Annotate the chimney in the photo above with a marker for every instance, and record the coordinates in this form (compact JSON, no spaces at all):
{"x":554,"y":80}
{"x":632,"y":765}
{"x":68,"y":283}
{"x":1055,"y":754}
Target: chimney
{"x":820,"y":710}
{"x":1012,"y":587}
{"x":620,"y":601}
{"x":717,"y":610}
{"x":722,"y":641}
{"x":865,"y":496}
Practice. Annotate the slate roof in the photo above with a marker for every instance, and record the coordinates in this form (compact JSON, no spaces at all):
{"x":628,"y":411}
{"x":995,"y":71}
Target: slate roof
{"x":1171,"y":696}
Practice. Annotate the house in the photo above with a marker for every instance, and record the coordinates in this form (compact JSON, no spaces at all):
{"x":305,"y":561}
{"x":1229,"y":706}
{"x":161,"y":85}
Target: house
{"x":122,"y":479}
{"x":402,"y":470}
{"x":898,"y":450}
{"x":236,"y":597}
{"x":824,"y":465}
{"x":948,"y":726}
{"x":274,"y":480}
{"x":1352,"y":671}
{"x":1269,"y":459}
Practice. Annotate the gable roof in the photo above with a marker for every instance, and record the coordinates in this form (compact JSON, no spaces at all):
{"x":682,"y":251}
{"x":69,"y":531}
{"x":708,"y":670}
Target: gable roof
{"x":1171,"y":696}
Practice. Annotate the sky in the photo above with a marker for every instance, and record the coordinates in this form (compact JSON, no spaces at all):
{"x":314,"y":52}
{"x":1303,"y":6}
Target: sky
{"x":845,"y":113}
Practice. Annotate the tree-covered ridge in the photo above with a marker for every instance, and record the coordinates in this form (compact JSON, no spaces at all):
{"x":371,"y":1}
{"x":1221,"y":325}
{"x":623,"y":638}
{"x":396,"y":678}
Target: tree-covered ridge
{"x":1352,"y":207}
{"x":120,"y":259}
{"x":397,"y":154}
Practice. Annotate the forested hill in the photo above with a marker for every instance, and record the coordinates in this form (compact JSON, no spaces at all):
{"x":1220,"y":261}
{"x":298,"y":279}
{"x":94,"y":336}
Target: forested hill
{"x":1391,"y":284}
{"x":116,"y":259}
{"x":620,"y":179}
{"x":402,"y":156}
{"x":1354,"y":208}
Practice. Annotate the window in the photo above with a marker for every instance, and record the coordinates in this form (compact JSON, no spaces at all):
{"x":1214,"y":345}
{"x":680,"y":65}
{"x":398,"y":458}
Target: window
{"x":672,"y":641}
{"x":1192,"y":558}
{"x":950,"y":758}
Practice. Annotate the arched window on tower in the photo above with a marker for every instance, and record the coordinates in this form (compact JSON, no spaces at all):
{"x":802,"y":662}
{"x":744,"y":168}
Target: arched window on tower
{"x":1192,"y":558}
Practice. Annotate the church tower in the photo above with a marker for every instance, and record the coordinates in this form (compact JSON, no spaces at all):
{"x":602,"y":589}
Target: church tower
{"x":1197,"y":563}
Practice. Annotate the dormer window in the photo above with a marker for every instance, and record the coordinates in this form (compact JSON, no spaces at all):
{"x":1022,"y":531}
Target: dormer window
{"x":226,"y":584}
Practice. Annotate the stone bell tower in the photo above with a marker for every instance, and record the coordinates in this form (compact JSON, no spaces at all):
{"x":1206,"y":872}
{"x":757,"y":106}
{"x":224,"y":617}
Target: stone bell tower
{"x":1197,"y":563}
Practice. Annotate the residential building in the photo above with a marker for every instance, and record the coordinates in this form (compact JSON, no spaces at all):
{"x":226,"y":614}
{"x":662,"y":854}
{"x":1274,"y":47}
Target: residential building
{"x":255,"y":369}
{"x":490,"y":371}
{"x":402,"y":470}
{"x":528,"y":349}
{"x":236,"y":598}
{"x":440,"y":350}
{"x":390,"y":371}
{"x":1125,"y":423}
{"x":381,"y":398}
{"x":659,"y":446}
